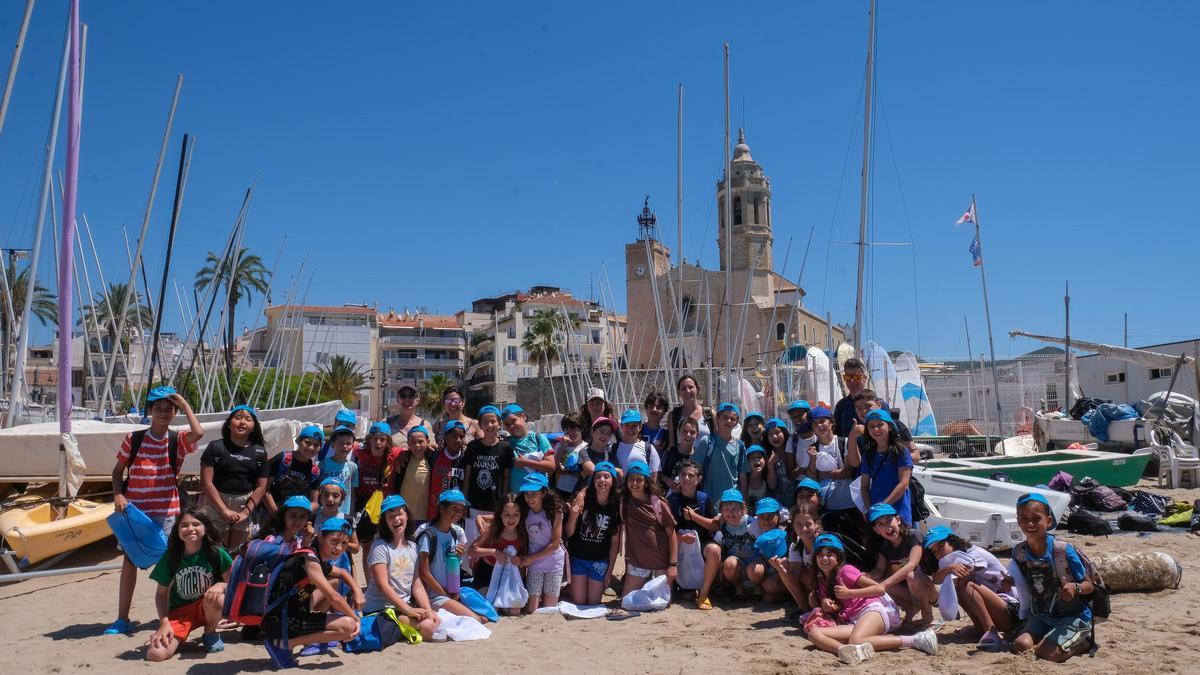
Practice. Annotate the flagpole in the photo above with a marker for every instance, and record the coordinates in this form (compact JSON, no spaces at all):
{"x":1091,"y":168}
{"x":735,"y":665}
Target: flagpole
{"x":987,"y":313}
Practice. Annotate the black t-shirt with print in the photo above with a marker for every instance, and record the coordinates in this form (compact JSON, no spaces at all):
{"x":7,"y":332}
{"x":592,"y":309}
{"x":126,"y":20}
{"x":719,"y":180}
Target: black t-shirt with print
{"x":298,"y":479}
{"x":236,"y":470}
{"x":594,"y":532}
{"x":488,"y":465}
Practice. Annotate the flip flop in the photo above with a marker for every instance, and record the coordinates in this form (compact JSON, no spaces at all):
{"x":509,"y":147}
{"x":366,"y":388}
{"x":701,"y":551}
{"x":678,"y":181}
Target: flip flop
{"x":704,"y":603}
{"x":621,"y":615}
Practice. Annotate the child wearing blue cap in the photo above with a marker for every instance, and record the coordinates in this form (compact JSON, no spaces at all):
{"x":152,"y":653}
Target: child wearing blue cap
{"x":632,"y":448}
{"x":797,"y":572}
{"x":886,"y":465}
{"x":721,"y":456}
{"x":765,"y":577}
{"x":291,"y":525}
{"x":651,"y":549}
{"x":486,"y":468}
{"x":593,"y":532}
{"x":1055,"y":584}
{"x":532,"y":452}
{"x":295,"y":472}
{"x":146,"y":475}
{"x":860,"y":608}
{"x":754,"y":429}
{"x":391,"y":566}
{"x":374,"y":459}
{"x":755,"y":478}
{"x":337,"y":464}
{"x":447,"y":467}
{"x":897,"y":567}
{"x":331,"y":494}
{"x":413,"y":473}
{"x":233,"y":476}
{"x":731,"y":551}
{"x":441,"y":544}
{"x":971,"y":577}
{"x":781,"y":465}
{"x":544,"y":528}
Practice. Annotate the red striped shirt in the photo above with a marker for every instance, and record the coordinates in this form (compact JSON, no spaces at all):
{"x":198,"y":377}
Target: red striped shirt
{"x":151,"y":484}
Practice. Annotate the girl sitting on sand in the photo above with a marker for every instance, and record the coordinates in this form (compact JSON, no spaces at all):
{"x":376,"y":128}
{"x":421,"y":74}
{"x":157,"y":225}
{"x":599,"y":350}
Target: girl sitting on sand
{"x":191,"y":586}
{"x":798,"y":573}
{"x":982,"y":586}
{"x":856,"y":613}
{"x":594,"y":536}
{"x":898,"y":552}
{"x":503,"y":540}
{"x":392,"y":579}
{"x":435,"y":542}
{"x":544,"y":527}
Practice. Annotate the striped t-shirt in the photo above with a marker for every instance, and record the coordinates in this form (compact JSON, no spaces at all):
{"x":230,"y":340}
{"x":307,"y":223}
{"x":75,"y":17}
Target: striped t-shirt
{"x":151,"y":484}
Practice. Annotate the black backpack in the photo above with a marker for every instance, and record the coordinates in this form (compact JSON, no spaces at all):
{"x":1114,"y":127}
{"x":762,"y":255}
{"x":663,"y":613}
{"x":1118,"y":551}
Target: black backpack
{"x":1132,"y":521}
{"x":1082,"y":521}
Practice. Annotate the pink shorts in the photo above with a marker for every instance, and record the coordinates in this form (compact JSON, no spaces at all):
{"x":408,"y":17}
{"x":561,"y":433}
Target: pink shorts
{"x":887,"y":609}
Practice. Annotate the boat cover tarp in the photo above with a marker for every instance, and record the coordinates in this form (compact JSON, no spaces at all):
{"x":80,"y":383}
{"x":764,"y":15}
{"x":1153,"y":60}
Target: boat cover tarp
{"x":317,"y":413}
{"x":1098,"y":418}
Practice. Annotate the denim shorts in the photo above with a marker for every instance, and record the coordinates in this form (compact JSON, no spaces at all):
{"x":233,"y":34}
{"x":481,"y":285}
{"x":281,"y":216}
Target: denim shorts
{"x":596,"y":570}
{"x":1065,"y":631}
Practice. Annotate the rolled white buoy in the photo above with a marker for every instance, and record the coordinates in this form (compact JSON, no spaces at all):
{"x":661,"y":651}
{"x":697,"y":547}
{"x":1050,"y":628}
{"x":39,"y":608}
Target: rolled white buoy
{"x":1144,"y":571}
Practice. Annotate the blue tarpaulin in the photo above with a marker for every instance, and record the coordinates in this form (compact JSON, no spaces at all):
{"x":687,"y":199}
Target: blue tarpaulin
{"x":1097,"y":419}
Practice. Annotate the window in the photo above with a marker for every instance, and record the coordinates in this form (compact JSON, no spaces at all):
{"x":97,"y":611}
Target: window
{"x":1161,"y":373}
{"x":737,"y":210}
{"x":512,"y":331}
{"x":510,"y":353}
{"x":1114,"y":378}
{"x":780,"y":331}
{"x":595,"y":337}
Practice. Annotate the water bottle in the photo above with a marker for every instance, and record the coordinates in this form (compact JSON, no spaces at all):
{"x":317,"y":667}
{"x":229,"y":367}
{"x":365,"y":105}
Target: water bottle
{"x":453,"y":570}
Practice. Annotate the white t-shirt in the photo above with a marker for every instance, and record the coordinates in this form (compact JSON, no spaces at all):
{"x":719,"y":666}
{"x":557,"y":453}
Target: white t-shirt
{"x":799,"y":448}
{"x":401,"y":568}
{"x":797,"y":554}
{"x":627,"y":453}
{"x":831,"y":450}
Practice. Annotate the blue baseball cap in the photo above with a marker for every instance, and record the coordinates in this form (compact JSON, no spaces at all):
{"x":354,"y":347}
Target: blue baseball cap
{"x":298,"y":502}
{"x":755,"y":413}
{"x":733,"y":495}
{"x":345,"y":416}
{"x":511,"y":409}
{"x":828,"y":541}
{"x":392,"y":502}
{"x":606,"y":467}
{"x":807,"y":483}
{"x":638,"y":468}
{"x":341,"y":430}
{"x":771,"y":544}
{"x":881,"y":416}
{"x":313,"y":432}
{"x":534,"y":482}
{"x":333,"y":481}
{"x":936,"y":534}
{"x":489,"y":410}
{"x":880,"y":510}
{"x":799,"y":405}
{"x":776,"y":423}
{"x":337,"y":524}
{"x":452,"y":496}
{"x":729,"y":407}
{"x":631,"y":416}
{"x":821,"y":413}
{"x":766,"y":506}
{"x":380,"y":428}
{"x":236,"y":408}
{"x":418,"y":430}
{"x":454,"y":425}
{"x":755,"y":448}
{"x":160,"y":393}
{"x":1041,"y":499}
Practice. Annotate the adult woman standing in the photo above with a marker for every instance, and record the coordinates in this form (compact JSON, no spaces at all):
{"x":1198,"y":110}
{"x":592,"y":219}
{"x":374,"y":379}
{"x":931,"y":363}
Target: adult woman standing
{"x":595,"y":407}
{"x":452,"y":409}
{"x":689,"y":393}
{"x":407,"y":418}
{"x":234,"y":476}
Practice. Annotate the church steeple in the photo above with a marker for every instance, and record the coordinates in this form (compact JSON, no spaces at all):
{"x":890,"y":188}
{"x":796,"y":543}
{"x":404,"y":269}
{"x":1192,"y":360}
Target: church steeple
{"x":751,"y":208}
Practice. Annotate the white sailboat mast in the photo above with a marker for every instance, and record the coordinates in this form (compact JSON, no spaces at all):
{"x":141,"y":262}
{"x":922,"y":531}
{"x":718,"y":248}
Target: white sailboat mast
{"x":866,"y":181}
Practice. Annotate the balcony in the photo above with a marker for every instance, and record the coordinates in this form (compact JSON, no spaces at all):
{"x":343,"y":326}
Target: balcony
{"x":421,"y":340}
{"x":427,"y":363}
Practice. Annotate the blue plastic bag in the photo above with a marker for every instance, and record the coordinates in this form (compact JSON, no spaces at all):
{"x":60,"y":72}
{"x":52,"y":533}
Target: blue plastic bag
{"x":141,"y":539}
{"x":478,"y":604}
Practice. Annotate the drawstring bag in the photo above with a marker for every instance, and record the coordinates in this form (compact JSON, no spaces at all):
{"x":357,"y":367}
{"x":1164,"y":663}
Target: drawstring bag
{"x":691,"y":565}
{"x":655,"y":595}
{"x":507,"y":591}
{"x":478,"y":604}
{"x":379,"y":630}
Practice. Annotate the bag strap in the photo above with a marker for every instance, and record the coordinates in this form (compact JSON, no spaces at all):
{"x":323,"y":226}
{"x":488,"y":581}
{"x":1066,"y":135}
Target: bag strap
{"x":135,"y":444}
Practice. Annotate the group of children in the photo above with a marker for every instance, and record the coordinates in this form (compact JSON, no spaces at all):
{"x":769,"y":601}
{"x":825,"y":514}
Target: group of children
{"x":800,"y":512}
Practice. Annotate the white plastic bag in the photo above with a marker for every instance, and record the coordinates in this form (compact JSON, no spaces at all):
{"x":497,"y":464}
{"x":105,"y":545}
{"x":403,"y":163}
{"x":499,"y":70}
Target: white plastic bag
{"x":570,"y":609}
{"x":459,"y":628}
{"x":655,"y":595}
{"x":691,"y":564}
{"x":507,"y":591}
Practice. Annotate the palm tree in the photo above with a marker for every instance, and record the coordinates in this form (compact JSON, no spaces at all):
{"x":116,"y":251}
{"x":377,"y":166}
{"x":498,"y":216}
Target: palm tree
{"x":545,"y":338}
{"x":341,"y":379}
{"x":44,"y":307}
{"x":432,"y":392}
{"x":105,"y":310}
{"x":248,"y":275}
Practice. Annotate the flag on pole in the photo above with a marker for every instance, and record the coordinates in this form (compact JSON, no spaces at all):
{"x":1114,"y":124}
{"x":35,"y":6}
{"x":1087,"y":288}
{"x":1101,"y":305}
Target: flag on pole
{"x":976,"y":252}
{"x":968,"y":217}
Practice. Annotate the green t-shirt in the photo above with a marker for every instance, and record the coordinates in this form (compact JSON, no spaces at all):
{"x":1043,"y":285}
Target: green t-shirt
{"x":192,"y":578}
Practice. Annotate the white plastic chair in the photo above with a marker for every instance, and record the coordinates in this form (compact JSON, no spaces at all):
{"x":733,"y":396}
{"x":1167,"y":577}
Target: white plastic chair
{"x":1174,"y":458}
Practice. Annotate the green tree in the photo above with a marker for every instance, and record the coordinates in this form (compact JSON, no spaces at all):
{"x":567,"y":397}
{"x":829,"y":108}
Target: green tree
{"x":341,"y":379}
{"x":240,"y":276}
{"x":545,"y":338}
{"x":44,"y":308}
{"x":432,"y":392}
{"x":105,"y":310}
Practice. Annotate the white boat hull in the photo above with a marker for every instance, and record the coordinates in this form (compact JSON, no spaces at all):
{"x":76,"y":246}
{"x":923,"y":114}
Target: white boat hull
{"x":991,"y":526}
{"x":983,"y":492}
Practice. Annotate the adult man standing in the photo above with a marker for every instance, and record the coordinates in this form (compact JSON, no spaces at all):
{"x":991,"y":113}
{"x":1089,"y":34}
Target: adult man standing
{"x":854,"y":374}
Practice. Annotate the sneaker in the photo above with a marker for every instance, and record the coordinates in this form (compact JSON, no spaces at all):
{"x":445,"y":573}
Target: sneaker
{"x":212,"y":642}
{"x":282,"y":658}
{"x":119,"y":627}
{"x":926,"y":641}
{"x":313,"y":649}
{"x":991,"y":640}
{"x":852,"y":655}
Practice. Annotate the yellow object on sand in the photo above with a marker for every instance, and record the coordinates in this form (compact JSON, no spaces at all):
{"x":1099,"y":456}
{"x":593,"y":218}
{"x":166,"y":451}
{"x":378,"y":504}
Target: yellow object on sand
{"x":34,"y":535}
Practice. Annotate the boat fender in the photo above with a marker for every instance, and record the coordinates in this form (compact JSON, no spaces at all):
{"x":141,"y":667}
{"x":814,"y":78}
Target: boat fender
{"x":1139,"y":572}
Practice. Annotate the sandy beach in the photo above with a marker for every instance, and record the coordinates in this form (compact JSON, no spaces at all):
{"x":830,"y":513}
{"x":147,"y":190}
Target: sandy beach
{"x":53,"y":625}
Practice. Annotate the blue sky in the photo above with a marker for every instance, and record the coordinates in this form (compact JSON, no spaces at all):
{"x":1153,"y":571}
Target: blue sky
{"x":429,"y":154}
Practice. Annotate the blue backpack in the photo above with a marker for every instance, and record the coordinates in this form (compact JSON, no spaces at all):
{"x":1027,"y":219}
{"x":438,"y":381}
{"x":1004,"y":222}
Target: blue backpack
{"x":253,"y":575}
{"x":286,"y":463}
